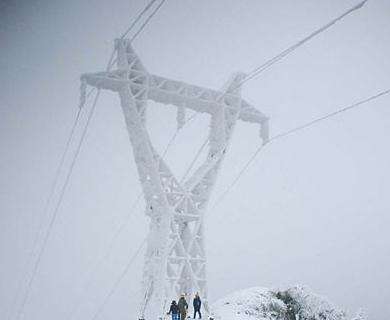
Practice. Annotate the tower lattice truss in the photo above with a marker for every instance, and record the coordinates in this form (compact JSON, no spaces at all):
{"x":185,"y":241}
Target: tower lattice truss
{"x":175,"y":260}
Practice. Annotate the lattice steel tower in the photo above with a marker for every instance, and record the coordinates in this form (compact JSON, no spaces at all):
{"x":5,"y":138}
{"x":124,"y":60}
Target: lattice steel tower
{"x":175,"y":260}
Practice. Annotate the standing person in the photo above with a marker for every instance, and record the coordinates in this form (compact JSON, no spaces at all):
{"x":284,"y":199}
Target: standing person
{"x":183,"y":306}
{"x":174,"y":310}
{"x":197,"y":304}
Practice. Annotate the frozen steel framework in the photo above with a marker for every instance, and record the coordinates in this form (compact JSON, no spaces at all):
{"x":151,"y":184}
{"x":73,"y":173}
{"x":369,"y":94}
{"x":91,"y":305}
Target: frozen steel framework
{"x":175,"y":260}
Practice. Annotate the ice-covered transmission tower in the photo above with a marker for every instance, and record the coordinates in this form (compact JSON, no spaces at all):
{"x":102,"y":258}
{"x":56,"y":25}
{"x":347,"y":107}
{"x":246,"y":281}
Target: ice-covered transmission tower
{"x":175,"y":260}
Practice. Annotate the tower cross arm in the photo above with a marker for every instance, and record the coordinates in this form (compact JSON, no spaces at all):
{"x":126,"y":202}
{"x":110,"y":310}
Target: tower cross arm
{"x":199,"y":99}
{"x":172,"y":92}
{"x":108,"y":80}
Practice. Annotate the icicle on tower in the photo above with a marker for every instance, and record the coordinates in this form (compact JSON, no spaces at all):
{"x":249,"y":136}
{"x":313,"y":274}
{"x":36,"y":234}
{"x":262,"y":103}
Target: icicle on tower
{"x":175,"y":260}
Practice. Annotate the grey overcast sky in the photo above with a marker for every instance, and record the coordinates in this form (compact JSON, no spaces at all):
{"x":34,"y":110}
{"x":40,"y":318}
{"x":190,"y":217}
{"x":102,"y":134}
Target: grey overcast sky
{"x":314,"y":208}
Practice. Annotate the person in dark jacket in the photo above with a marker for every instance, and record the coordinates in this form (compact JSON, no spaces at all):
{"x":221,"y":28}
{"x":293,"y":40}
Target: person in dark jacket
{"x":174,"y":310}
{"x":183,"y":306}
{"x":197,"y":304}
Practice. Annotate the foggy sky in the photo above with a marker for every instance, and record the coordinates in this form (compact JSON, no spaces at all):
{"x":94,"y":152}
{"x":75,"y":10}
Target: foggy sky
{"x":314,"y":208}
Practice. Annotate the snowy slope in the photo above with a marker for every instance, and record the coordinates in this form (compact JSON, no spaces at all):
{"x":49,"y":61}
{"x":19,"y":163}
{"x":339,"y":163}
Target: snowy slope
{"x":249,"y":304}
{"x":285,"y":304}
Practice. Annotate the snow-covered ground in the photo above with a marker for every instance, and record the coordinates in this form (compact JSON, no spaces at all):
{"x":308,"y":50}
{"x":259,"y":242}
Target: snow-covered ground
{"x":285,"y":304}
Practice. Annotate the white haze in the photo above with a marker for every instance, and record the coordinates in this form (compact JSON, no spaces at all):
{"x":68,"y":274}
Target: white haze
{"x":314,"y":209}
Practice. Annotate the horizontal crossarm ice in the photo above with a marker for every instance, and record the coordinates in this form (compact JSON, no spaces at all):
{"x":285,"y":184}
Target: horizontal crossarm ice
{"x":199,"y":99}
{"x":167,"y":91}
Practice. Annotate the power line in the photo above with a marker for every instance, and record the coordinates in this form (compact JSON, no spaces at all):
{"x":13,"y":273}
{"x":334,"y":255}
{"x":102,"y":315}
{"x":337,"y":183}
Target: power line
{"x":52,"y":191}
{"x":235,"y":180}
{"x":47,"y":204}
{"x":289,"y":132}
{"x":103,"y":258}
{"x":332,"y":114}
{"x":119,"y":280}
{"x":52,"y":219}
{"x":170,"y":142}
{"x":54,"y":216}
{"x":292,"y":48}
{"x":173,"y":138}
{"x":204,"y":144}
{"x":147,"y":20}
{"x":51,"y":194}
{"x":132,"y":25}
{"x":146,"y":8}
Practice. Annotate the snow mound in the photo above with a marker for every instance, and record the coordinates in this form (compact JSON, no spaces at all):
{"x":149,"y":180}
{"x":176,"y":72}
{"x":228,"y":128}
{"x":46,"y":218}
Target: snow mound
{"x":249,"y":304}
{"x":264,"y":304}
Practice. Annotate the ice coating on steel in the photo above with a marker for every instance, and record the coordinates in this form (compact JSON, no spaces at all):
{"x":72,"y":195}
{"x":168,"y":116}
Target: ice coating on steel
{"x":175,"y":260}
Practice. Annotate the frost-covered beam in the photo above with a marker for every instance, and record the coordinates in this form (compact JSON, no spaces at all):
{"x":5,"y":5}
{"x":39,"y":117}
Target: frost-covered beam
{"x":199,"y":99}
{"x":177,"y":93}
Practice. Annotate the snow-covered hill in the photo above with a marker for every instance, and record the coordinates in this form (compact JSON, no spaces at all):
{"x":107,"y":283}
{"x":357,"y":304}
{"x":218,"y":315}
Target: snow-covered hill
{"x":285,"y":304}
